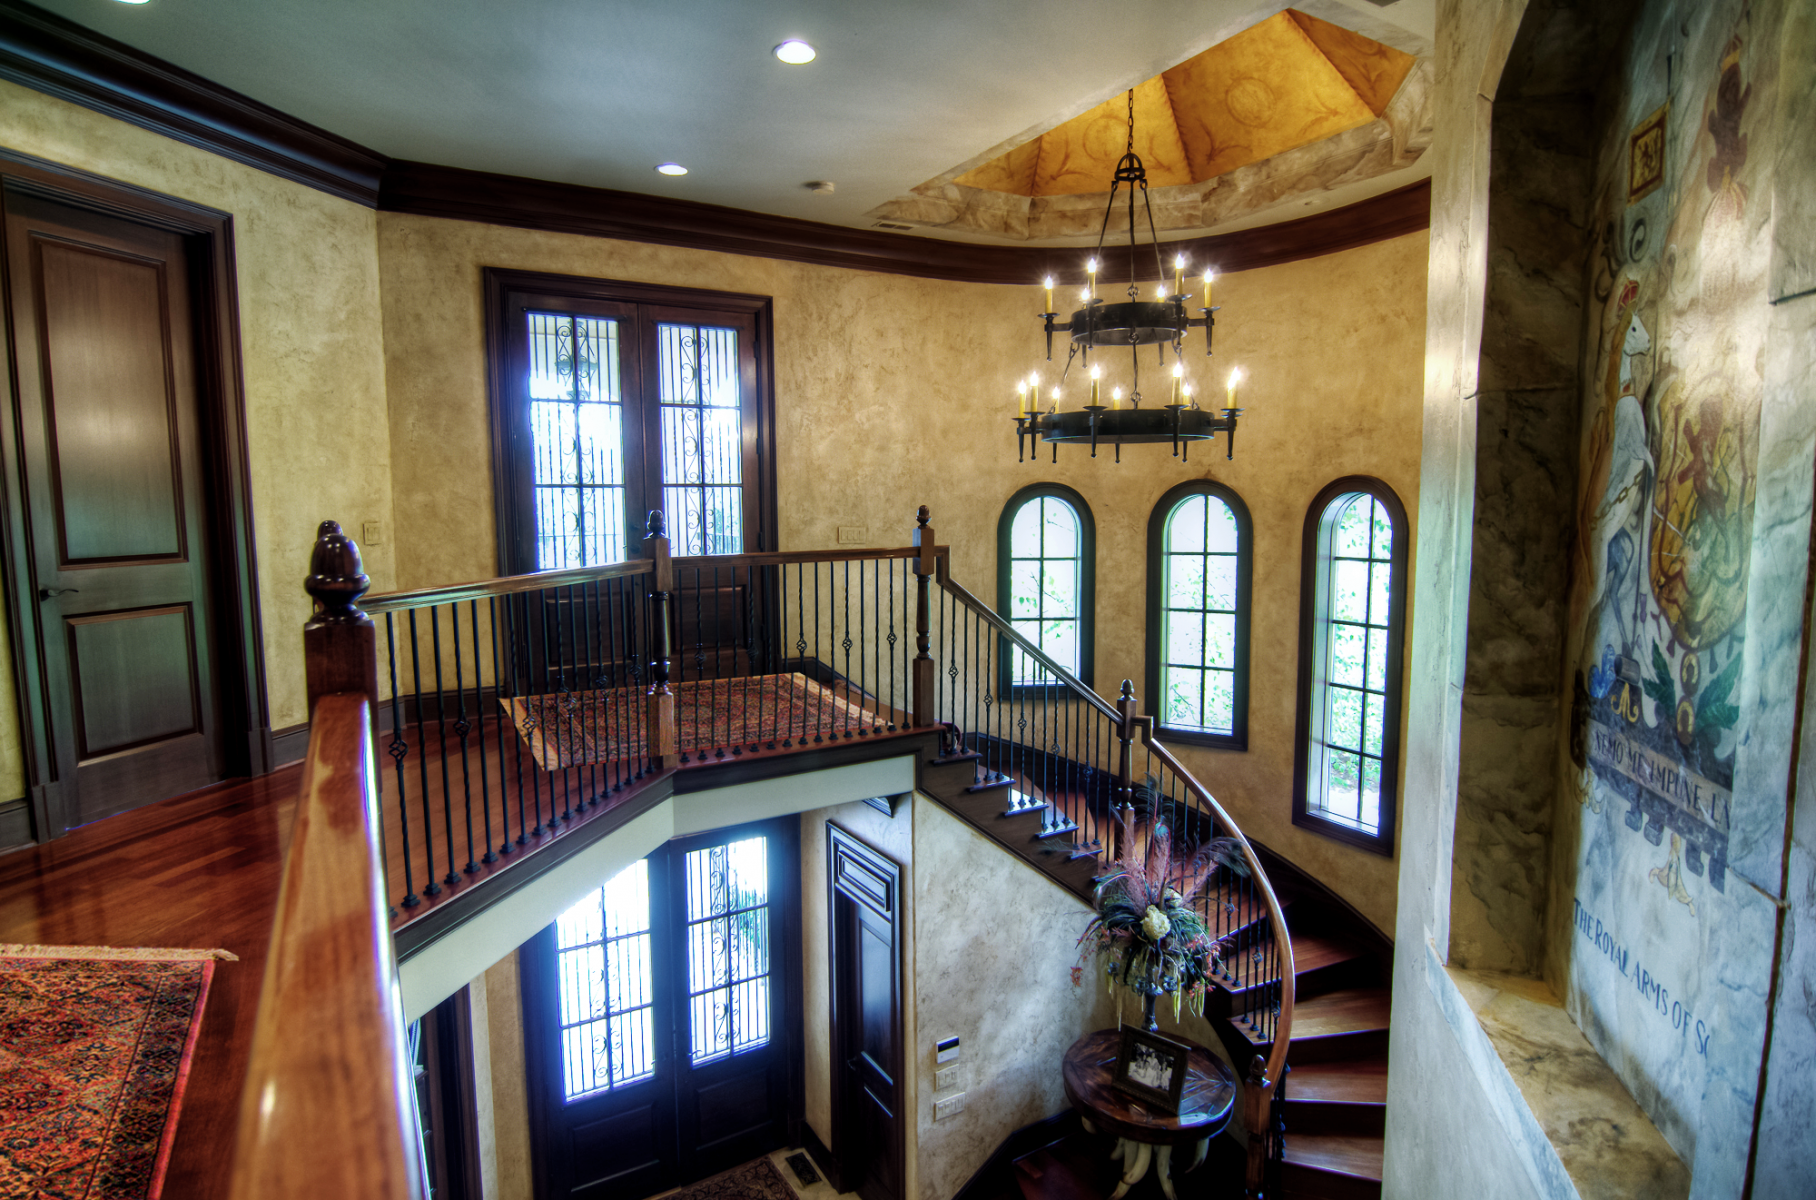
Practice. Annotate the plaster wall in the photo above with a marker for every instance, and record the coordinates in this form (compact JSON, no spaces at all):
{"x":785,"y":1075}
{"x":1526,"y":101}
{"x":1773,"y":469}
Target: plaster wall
{"x":893,"y":392}
{"x":312,"y":361}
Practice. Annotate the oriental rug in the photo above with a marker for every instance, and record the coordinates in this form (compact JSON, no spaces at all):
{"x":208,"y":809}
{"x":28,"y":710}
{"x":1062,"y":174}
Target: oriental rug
{"x":95,"y":1046}
{"x":757,"y":1180}
{"x":566,"y":729}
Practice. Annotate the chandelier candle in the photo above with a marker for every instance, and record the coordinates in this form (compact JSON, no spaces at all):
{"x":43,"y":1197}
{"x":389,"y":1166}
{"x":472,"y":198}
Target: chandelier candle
{"x":1179,"y":276}
{"x":1049,"y":307}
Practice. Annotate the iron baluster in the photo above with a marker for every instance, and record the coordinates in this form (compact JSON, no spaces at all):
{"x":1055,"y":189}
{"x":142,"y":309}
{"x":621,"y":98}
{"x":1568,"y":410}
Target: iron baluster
{"x":398,"y":749}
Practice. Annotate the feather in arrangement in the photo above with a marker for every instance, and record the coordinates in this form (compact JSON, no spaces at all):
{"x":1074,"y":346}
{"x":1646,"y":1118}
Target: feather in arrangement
{"x":1148,"y":929}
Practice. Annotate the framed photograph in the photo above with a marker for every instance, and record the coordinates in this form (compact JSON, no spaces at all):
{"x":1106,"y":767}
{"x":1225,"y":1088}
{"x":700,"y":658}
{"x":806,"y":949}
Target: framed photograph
{"x":1151,"y":1068}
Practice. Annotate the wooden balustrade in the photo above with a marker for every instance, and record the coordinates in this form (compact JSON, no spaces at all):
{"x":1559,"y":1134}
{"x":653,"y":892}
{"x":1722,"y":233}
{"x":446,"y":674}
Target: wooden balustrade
{"x":327,"y":1108}
{"x":328,"y":1065}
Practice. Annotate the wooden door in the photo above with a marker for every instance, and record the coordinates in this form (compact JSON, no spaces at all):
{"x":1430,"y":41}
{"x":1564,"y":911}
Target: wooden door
{"x":115,"y":491}
{"x":867,"y":1117}
{"x":661,"y":1018}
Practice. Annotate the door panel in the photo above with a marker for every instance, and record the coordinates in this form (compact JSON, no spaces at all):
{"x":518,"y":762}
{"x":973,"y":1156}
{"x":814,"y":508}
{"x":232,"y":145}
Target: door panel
{"x":112,"y":426}
{"x":134,"y":675}
{"x":115,"y":497}
{"x":867,"y":1126}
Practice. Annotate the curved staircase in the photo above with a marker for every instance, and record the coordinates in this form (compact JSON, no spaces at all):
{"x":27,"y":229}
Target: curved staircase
{"x":1334,"y":1098}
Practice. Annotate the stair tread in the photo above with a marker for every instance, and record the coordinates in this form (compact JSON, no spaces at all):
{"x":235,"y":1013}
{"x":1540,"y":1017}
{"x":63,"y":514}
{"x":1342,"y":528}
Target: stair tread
{"x":1352,"y":1081}
{"x":1311,"y":952}
{"x":1352,"y":1010}
{"x":1339,"y":1154}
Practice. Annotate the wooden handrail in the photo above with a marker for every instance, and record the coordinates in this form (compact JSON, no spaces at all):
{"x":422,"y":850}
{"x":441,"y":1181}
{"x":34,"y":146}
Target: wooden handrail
{"x":506,"y":585}
{"x":1072,"y":683}
{"x":327,"y":1107}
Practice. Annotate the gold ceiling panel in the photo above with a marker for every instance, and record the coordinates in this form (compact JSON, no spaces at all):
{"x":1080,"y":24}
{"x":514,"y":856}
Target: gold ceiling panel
{"x":1287,"y":82}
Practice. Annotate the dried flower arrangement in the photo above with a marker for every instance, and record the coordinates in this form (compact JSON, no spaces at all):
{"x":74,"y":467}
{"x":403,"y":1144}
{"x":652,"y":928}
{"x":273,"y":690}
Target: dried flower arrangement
{"x":1148,"y":929}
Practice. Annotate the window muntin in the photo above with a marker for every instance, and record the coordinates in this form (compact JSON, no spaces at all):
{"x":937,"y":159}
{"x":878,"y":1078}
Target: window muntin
{"x":1046,"y":586}
{"x":606,"y":983}
{"x":1350,"y":687}
{"x":728,"y":939}
{"x":577,"y":440}
{"x":1199,"y":572}
{"x":702,"y":438}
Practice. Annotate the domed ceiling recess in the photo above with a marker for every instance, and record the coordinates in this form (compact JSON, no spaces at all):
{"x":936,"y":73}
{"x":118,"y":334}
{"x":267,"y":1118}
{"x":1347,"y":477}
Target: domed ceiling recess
{"x":1287,"y":108}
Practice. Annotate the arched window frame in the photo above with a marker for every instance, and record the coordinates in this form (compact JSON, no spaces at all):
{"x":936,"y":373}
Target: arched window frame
{"x":1087,"y":581}
{"x":1314,"y":630}
{"x":1237,"y":738}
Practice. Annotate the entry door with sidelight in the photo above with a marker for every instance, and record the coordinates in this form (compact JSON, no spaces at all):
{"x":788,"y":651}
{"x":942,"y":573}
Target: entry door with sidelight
{"x":115,"y":490}
{"x":660,"y":1024}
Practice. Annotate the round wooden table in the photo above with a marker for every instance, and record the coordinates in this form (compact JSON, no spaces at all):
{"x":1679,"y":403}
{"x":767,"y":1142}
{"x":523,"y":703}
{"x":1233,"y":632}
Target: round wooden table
{"x":1144,"y":1135}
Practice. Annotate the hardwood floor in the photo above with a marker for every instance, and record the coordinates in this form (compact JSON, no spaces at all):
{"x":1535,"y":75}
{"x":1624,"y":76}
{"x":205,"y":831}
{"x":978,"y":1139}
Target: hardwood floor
{"x":198,"y":871}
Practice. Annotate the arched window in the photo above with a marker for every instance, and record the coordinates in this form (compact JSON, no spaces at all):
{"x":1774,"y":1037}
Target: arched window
{"x":1352,"y":619}
{"x":1046,"y":543}
{"x":1198,"y":613}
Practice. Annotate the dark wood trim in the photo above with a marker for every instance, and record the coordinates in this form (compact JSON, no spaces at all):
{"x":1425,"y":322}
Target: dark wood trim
{"x":996,"y":1178}
{"x":866,"y":866}
{"x":239,"y":644}
{"x":15,"y":824}
{"x":1237,"y":739}
{"x":63,"y":59}
{"x":290,"y":744}
{"x":426,"y":190}
{"x":1310,"y":616}
{"x":1087,"y":585}
{"x":509,"y":458}
{"x":822,"y":1158}
{"x":453,"y":1153}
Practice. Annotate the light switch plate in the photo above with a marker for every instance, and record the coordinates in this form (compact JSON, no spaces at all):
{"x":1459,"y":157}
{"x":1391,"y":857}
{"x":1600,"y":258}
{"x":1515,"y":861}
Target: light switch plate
{"x":371,"y":533}
{"x":853,"y":535}
{"x":945,"y":1050}
{"x":951,"y":1106}
{"x":946,"y":1078}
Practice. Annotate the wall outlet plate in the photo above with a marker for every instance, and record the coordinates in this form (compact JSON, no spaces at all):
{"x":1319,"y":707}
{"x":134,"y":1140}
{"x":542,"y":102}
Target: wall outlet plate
{"x":951,"y":1106}
{"x":371,"y":533}
{"x":853,"y":535}
{"x":946,"y":1077}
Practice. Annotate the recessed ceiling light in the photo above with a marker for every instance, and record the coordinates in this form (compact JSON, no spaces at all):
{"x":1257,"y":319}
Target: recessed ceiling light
{"x":795,"y":51}
{"x":672,"y":169}
{"x":134,"y":1}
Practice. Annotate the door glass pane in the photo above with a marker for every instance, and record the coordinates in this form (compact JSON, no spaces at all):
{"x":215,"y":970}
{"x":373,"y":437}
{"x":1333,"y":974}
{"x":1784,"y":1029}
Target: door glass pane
{"x":728,"y":948}
{"x":602,"y":966}
{"x":576,"y":440}
{"x":702,"y":438}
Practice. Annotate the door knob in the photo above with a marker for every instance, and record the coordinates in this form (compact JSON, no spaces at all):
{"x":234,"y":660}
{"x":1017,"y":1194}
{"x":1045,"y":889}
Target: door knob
{"x":51,"y":593}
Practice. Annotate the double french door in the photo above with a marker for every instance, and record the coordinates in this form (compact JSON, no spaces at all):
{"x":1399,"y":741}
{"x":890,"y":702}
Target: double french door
{"x":661,"y":1019}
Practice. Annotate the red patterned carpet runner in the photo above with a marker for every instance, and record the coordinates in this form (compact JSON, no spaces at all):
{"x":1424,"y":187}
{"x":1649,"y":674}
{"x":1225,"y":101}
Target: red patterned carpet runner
{"x":95,"y":1046}
{"x":566,"y":729}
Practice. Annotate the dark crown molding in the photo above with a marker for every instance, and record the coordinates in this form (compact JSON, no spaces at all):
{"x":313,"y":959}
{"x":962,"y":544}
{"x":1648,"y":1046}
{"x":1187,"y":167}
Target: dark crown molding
{"x":43,"y":51}
{"x":63,"y":59}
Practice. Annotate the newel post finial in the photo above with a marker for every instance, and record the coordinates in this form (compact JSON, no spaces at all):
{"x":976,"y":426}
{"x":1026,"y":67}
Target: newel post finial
{"x":921,"y":517}
{"x":339,"y":649}
{"x":1128,"y":690}
{"x":657,"y":525}
{"x":335,"y":580}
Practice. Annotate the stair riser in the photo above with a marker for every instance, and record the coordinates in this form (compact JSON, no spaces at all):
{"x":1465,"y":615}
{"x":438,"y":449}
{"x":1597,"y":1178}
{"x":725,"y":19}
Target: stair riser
{"x":1361,"y":1044}
{"x":1357,"y":972}
{"x":1308,"y":1183}
{"x":1334,"y":1117}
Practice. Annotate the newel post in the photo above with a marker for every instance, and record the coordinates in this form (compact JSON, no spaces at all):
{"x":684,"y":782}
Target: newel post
{"x":339,"y":645}
{"x":923,"y":621}
{"x":663,"y":740}
{"x":1125,"y":766}
{"x":1258,"y":1124}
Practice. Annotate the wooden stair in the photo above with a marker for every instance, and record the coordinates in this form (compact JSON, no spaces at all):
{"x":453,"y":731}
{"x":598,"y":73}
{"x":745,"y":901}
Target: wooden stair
{"x":1335,"y":1095}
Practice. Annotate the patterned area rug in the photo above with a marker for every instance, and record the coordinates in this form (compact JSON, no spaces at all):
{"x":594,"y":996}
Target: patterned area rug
{"x":757,"y":1180}
{"x":95,"y":1046}
{"x":567,"y":729}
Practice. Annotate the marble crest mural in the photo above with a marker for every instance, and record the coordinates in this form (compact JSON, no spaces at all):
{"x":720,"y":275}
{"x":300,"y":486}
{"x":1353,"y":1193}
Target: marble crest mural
{"x":1665,"y":518}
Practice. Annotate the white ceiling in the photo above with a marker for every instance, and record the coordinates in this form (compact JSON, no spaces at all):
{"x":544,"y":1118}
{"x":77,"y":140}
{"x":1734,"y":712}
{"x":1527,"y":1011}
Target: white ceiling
{"x":598,"y":92}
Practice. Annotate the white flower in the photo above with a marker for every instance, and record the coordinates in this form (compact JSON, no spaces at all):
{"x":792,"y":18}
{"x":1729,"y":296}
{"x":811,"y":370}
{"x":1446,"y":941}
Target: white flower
{"x":1155,"y":924}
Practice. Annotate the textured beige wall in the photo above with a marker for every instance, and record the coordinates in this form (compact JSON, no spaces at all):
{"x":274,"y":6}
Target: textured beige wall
{"x":509,"y":1114}
{"x":894,"y":392}
{"x":310,"y":330}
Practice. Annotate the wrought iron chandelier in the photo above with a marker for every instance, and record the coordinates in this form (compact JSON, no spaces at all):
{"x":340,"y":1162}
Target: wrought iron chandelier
{"x":1134,"y":323}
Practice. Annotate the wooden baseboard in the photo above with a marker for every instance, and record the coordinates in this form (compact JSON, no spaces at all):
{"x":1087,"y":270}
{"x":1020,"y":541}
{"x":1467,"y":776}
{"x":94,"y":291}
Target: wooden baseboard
{"x":289,"y":745}
{"x":996,"y":1177}
{"x":822,"y":1157}
{"x":15,"y":824}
